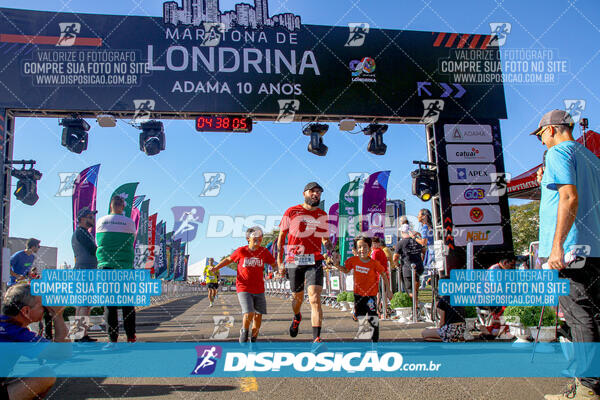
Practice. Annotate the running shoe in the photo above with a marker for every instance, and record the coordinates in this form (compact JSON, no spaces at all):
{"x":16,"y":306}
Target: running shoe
{"x":295,"y":325}
{"x":253,"y":339}
{"x":243,"y":335}
{"x":132,"y":339}
{"x":318,"y":346}
{"x":109,"y":346}
{"x":210,"y":304}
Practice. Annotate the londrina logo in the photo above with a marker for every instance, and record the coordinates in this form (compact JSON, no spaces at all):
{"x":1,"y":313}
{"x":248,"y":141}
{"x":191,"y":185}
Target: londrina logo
{"x":363,"y":70}
{"x":207,"y":359}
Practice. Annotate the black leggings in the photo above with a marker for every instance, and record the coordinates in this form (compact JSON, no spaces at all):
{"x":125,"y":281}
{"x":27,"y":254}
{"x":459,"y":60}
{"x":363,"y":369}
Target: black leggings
{"x":113,"y":322}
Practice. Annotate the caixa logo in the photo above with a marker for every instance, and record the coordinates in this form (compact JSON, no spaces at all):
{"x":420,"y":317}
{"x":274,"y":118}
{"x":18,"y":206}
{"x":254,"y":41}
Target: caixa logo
{"x":474,"y":194}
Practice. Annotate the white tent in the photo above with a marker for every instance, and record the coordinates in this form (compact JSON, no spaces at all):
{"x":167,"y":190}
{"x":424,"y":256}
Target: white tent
{"x":226,"y":271}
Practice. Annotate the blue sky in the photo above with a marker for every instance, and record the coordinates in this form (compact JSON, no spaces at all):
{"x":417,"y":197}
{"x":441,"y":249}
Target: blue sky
{"x":266,"y":170}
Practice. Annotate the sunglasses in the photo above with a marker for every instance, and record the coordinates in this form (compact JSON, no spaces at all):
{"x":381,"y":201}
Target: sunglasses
{"x":540,"y":133}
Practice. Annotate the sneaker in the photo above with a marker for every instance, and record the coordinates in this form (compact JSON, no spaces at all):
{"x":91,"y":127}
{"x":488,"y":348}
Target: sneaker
{"x":354,"y":316}
{"x":243,"y":335}
{"x":575,"y":391}
{"x":86,"y":339}
{"x":253,"y":339}
{"x":318,"y":346}
{"x":132,"y":339}
{"x":294,"y":326}
{"x":211,"y":304}
{"x":109,"y":346}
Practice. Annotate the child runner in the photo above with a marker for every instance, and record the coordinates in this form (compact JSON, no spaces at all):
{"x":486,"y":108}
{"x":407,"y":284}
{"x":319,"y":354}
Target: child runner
{"x":250,"y":283}
{"x":366,"y":281}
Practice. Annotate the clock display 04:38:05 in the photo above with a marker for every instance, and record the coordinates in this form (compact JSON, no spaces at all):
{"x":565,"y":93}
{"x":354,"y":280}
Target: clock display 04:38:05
{"x":223,"y":123}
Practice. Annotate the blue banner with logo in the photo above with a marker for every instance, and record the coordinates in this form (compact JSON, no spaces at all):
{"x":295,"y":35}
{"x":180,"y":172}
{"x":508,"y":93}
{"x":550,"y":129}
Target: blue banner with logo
{"x":295,"y":359}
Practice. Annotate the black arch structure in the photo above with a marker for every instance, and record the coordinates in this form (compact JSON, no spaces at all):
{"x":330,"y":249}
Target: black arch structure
{"x":60,"y":64}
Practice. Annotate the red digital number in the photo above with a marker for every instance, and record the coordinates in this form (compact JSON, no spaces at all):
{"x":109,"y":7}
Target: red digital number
{"x":226,"y":121}
{"x":200,"y":123}
{"x":209,"y":122}
{"x":243,"y":124}
{"x":236,"y":123}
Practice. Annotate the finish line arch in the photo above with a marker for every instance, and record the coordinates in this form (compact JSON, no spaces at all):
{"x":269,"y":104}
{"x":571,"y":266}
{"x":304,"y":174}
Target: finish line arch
{"x":273,"y":68}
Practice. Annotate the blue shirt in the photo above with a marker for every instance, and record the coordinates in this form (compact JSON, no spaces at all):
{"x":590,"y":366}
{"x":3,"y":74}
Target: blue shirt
{"x":10,"y":332}
{"x":570,"y":163}
{"x":427,"y":233}
{"x":20,"y":263}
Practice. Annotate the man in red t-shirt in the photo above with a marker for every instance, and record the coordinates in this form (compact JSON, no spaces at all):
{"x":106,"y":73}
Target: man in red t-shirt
{"x":366,"y":281}
{"x":306,"y":229}
{"x":250,"y":283}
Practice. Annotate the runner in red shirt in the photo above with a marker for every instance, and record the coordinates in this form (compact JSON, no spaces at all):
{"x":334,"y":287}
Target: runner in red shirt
{"x":366,"y":282}
{"x":250,"y":284}
{"x":306,"y":228}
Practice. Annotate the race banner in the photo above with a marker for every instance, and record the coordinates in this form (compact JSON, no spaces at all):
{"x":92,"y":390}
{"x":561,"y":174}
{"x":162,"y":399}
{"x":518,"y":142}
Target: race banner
{"x":84,"y":192}
{"x":135,"y":212}
{"x":151,"y":241}
{"x":186,"y":261}
{"x":181,"y":263}
{"x":176,"y":254}
{"x":161,"y":239}
{"x":373,"y":204}
{"x":241,"y":62}
{"x":348,"y":217}
{"x":169,"y":256}
{"x":333,"y":223}
{"x":143,"y":229}
{"x":127,"y":192}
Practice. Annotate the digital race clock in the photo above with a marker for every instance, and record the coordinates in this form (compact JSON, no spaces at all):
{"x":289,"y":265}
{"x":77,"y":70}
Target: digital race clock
{"x":223,"y":123}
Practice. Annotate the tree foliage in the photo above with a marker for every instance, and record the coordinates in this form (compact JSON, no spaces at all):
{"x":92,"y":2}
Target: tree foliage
{"x":525,"y":222}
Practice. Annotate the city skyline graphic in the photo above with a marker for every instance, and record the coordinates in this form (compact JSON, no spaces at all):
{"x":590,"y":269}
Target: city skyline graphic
{"x":196,"y":12}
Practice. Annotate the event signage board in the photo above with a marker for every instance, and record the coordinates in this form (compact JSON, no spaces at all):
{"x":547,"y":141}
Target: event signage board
{"x":470,"y":173}
{"x":253,"y":64}
{"x":480,"y":214}
{"x":471,"y":194}
{"x":467,"y":133}
{"x":470,"y":153}
{"x":479,"y":235}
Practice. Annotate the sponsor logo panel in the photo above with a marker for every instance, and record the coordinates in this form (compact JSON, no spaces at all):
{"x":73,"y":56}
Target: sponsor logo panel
{"x":470,"y":153}
{"x":467,"y":133}
{"x":481,"y":235}
{"x":481,"y":214}
{"x":471,"y":194}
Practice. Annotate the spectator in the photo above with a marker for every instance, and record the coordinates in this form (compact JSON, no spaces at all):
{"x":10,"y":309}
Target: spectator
{"x":115,"y":234}
{"x":451,"y":323}
{"x":570,"y":219}
{"x":84,"y":249}
{"x":22,"y":261}
{"x":19,"y":309}
{"x":426,"y":241}
{"x":505,"y":263}
{"x":409,"y":251}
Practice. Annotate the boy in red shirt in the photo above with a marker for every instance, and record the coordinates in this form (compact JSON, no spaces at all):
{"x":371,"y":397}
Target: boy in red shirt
{"x":366,"y":281}
{"x":250,"y":284}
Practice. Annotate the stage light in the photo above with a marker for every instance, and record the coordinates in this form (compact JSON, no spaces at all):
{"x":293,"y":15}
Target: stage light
{"x":26,"y":190}
{"x":424,"y":184}
{"x":152,"y":137}
{"x":74,"y":135}
{"x":316,"y":132}
{"x":106,"y":120}
{"x":376,"y":145}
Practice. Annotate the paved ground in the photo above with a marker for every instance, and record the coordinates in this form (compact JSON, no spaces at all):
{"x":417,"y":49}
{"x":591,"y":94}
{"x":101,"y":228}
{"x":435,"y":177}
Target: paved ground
{"x":190,"y":319}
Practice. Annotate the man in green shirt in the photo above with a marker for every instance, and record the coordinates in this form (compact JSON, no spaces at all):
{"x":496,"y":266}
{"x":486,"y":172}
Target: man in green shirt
{"x":212,"y":281}
{"x":115,"y":235}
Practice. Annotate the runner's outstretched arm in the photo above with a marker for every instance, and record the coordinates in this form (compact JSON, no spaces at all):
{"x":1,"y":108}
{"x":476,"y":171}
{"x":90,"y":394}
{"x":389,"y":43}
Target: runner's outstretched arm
{"x":224,"y":262}
{"x":280,"y":252}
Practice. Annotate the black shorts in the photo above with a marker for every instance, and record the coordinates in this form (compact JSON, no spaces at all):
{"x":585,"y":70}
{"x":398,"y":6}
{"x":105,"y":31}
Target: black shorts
{"x":313,"y":274}
{"x":212,"y":285}
{"x":407,"y":278}
{"x":365,"y":305}
{"x":4,"y":388}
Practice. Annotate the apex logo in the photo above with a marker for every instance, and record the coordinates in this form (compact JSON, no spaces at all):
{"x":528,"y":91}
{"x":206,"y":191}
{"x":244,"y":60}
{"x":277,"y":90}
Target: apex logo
{"x":68,"y":33}
{"x":207,"y":359}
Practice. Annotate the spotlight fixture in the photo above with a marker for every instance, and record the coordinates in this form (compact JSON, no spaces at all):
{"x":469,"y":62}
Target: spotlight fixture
{"x":74,"y":134}
{"x":316,"y":132}
{"x":376,"y":145}
{"x":424,"y":184}
{"x":26,"y":190}
{"x":152,"y":137}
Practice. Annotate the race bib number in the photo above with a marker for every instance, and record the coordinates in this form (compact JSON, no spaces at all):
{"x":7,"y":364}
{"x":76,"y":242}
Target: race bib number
{"x":304,"y":259}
